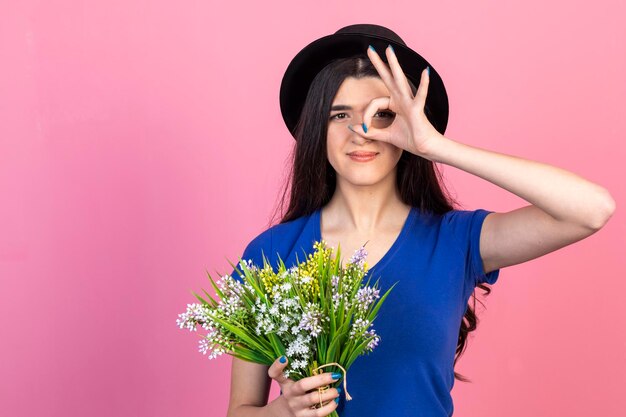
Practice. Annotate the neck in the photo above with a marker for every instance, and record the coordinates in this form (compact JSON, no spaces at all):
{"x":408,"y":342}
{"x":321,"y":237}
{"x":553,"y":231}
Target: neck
{"x":365,"y":209}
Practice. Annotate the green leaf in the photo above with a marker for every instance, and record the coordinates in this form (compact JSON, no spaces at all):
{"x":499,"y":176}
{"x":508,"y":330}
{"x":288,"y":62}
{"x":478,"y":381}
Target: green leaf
{"x":380,"y":302}
{"x":335,"y":344}
{"x":279,"y":349}
{"x":211,"y":304}
{"x":358,"y":351}
{"x":252,"y":355}
{"x":217,"y":289}
{"x":245,"y":337}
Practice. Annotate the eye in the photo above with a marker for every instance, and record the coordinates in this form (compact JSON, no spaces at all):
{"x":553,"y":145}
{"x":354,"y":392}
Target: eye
{"x":335,"y":116}
{"x":386,"y":114}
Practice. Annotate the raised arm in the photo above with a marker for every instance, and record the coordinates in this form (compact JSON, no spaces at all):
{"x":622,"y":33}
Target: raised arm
{"x":564,"y":209}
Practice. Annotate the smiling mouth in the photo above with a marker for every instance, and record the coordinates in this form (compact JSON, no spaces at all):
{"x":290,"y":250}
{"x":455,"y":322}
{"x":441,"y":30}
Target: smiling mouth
{"x":363,"y":154}
{"x":363,"y":157}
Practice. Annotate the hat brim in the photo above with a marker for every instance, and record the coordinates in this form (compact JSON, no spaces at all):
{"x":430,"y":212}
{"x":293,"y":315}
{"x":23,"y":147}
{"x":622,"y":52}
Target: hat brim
{"x":314,"y":57}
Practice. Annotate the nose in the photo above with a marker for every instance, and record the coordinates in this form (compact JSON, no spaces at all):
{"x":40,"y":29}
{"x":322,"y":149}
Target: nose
{"x":358,"y":139}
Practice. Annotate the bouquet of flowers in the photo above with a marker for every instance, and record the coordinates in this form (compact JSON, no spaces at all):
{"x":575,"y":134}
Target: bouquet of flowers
{"x":316,"y":312}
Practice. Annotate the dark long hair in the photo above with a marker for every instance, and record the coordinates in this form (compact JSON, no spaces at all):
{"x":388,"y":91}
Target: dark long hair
{"x":312,"y":179}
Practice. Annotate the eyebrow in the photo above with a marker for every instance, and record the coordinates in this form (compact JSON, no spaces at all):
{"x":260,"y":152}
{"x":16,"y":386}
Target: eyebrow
{"x":340,"y":107}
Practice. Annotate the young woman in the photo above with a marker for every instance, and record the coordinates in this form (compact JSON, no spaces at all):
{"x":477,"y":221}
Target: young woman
{"x":366,"y":140}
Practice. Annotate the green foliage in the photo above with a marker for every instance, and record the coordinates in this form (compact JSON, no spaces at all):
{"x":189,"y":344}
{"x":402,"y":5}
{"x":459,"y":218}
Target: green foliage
{"x":317,"y":297}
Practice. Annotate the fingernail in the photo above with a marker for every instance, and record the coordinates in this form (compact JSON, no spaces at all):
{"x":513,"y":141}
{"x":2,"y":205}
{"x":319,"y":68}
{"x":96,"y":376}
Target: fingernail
{"x":372,"y":48}
{"x":336,"y":375}
{"x":428,"y":71}
{"x":337,"y":400}
{"x":391,"y":47}
{"x":283,"y":359}
{"x":339,"y":390}
{"x":364,"y":127}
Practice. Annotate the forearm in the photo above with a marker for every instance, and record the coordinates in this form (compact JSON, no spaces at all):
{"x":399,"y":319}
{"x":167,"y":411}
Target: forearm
{"x":272,"y":409}
{"x":562,"y":194}
{"x":250,"y":411}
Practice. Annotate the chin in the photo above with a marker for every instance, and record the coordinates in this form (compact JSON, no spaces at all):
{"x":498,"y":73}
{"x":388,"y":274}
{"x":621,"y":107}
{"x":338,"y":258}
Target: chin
{"x":363,"y":179}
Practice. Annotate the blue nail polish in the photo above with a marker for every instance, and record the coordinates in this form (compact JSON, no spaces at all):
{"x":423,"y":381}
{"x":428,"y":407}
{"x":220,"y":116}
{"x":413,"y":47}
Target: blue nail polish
{"x":364,"y":127}
{"x":372,"y":48}
{"x":283,"y":359}
{"x":339,"y":390}
{"x":336,"y":375}
{"x":428,"y":71}
{"x":337,"y":400}
{"x":391,"y":47}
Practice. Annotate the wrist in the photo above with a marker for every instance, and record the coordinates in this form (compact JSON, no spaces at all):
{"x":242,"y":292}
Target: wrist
{"x":435,"y":149}
{"x":278,"y":408}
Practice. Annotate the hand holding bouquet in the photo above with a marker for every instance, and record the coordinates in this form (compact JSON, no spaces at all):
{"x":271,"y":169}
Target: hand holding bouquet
{"x":316,"y":312}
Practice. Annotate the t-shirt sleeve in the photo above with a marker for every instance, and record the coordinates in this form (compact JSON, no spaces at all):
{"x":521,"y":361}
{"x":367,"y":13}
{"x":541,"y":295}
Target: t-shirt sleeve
{"x":254,"y":251}
{"x":467,"y":226}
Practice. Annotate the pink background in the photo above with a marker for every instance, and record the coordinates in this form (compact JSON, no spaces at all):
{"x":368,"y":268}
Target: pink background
{"x":141,"y":142}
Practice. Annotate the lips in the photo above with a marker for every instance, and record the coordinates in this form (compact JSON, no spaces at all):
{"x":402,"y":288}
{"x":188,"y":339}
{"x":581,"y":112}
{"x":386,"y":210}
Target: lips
{"x":362,"y":153}
{"x":362,"y":156}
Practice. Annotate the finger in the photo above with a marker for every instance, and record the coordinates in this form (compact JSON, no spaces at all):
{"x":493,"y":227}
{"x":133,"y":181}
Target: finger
{"x":326,"y":408}
{"x":373,"y":107}
{"x":275,"y":371}
{"x":422,"y":89}
{"x":398,"y":74}
{"x":304,"y":385}
{"x":313,"y":398}
{"x":382,"y":135}
{"x":383,"y":70}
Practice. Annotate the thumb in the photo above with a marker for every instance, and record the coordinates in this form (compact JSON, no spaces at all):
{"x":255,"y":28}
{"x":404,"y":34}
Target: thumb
{"x":275,"y":371}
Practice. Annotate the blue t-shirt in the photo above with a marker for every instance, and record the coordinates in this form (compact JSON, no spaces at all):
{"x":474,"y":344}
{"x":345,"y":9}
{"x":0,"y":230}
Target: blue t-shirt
{"x":437,"y":262}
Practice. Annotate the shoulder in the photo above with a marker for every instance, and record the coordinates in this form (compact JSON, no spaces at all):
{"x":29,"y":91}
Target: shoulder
{"x":454,"y":219}
{"x":259,"y":243}
{"x":274,"y":239}
{"x":465,"y":227}
{"x":464,"y":224}
{"x":464,"y":216}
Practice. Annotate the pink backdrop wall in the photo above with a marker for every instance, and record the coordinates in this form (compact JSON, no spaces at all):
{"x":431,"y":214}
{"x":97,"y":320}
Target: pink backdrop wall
{"x":141,"y":142}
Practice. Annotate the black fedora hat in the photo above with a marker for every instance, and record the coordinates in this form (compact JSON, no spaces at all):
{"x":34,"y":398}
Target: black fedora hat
{"x":353,"y":40}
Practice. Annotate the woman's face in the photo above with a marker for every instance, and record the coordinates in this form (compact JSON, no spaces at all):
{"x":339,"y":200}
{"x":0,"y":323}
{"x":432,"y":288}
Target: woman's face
{"x":354,"y":95}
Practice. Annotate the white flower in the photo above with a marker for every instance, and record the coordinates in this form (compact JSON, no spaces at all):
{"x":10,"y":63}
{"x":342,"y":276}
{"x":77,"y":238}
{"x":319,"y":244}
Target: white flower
{"x":298,"y":347}
{"x":195,"y":314}
{"x":299,"y":364}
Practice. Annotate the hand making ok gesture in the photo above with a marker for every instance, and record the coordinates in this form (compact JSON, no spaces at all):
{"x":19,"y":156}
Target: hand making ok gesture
{"x":410,"y":130}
